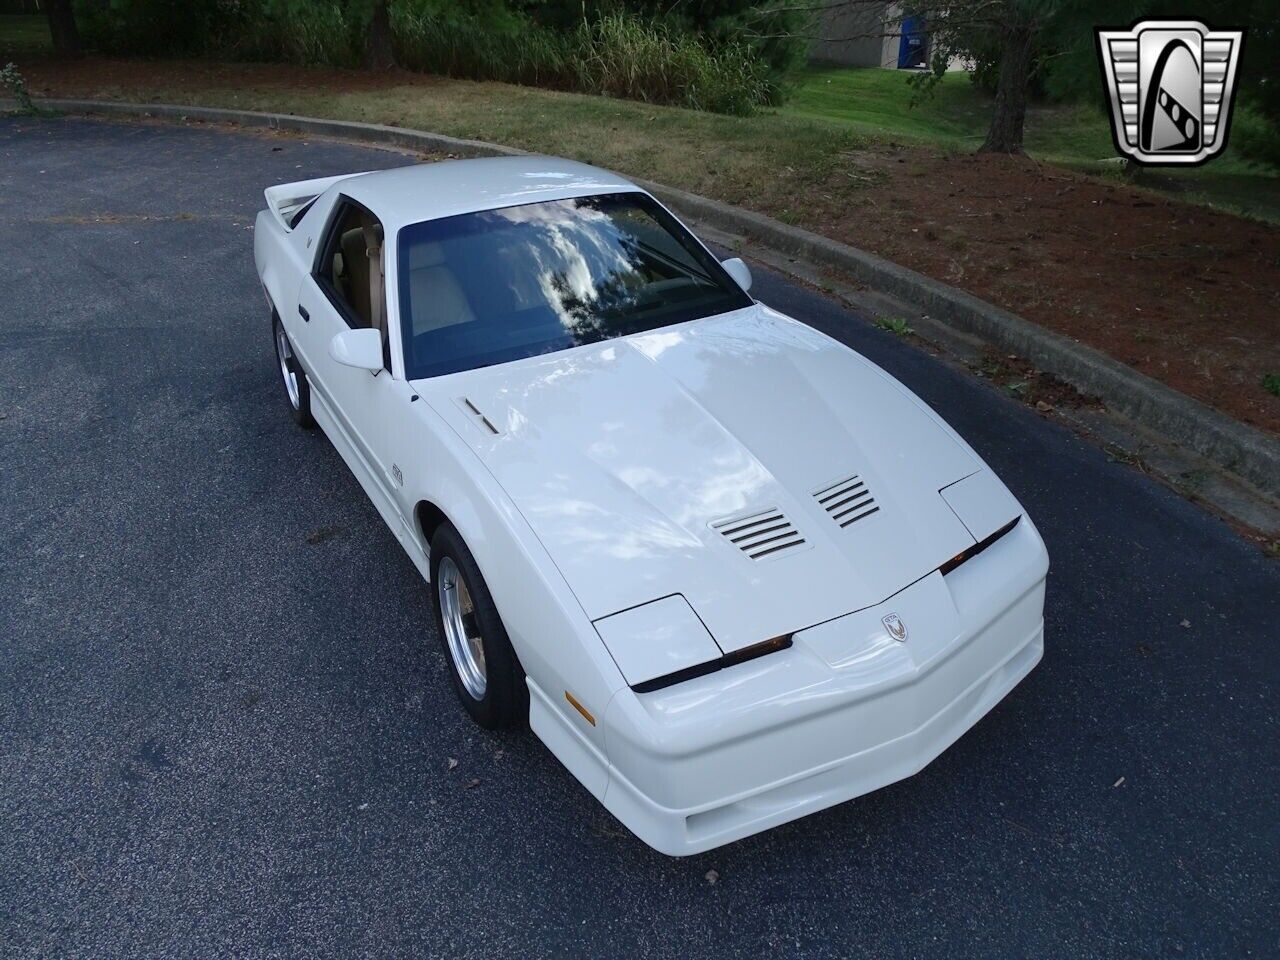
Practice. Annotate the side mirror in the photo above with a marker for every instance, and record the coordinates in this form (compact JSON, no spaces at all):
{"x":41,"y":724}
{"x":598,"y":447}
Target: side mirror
{"x":360,"y":348}
{"x":740,"y":272}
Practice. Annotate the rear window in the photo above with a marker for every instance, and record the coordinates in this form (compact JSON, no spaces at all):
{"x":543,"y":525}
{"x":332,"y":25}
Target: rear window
{"x":500,"y":285}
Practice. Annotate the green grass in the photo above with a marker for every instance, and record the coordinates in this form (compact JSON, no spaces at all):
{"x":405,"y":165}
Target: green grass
{"x":895,"y":325}
{"x":875,"y":103}
{"x":22,"y":34}
{"x":881,"y":104}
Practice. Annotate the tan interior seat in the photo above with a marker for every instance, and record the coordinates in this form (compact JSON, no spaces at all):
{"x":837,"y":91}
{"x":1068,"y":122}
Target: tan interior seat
{"x":437,"y":297}
{"x":356,"y":259}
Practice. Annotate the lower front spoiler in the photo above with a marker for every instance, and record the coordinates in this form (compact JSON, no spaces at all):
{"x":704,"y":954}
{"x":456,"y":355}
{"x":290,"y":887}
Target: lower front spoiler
{"x":685,"y":832}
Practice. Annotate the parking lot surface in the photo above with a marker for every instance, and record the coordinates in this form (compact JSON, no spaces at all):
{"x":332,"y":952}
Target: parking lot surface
{"x":226,"y":727}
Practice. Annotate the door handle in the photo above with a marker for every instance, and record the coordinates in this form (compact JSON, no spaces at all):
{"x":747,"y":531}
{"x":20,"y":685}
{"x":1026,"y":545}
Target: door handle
{"x":302,"y":312}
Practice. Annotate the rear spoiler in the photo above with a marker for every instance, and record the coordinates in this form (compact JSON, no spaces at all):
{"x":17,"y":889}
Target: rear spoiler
{"x":286,"y":199}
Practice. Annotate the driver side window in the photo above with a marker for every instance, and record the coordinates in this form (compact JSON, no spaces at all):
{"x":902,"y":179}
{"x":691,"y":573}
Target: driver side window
{"x":351,"y":269}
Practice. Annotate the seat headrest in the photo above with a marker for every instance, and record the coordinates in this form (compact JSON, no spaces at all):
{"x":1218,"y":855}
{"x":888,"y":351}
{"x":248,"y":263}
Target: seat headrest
{"x":425,"y":255}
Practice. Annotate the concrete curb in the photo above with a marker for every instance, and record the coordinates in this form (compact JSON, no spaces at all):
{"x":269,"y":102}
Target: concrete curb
{"x":1240,"y":449}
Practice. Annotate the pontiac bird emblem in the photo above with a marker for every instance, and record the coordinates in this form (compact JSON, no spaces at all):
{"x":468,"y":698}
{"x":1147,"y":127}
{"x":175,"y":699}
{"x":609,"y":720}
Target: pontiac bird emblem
{"x":897,"y":629}
{"x":1170,"y":84}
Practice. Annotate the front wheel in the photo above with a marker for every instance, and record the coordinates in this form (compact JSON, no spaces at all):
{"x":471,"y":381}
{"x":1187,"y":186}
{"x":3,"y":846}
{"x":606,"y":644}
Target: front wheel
{"x":296,"y":389}
{"x":486,"y":674}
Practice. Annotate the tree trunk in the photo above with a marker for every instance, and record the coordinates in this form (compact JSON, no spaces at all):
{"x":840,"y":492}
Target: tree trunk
{"x":1005,"y":135}
{"x":62,"y":28}
{"x":381,"y":55}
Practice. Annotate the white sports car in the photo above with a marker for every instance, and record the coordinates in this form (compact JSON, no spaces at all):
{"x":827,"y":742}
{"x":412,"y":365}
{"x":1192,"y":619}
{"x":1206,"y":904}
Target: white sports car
{"x":730,"y":571}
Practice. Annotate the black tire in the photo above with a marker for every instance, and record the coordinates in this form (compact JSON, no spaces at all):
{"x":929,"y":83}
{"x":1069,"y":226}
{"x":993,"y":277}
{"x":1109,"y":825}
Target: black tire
{"x":299,"y":408}
{"x":505,"y":698}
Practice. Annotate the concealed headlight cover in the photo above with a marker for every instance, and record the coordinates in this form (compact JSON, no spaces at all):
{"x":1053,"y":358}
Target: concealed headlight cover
{"x":985,"y":507}
{"x":662,"y":643}
{"x":981,"y":503}
{"x":656,"y":639}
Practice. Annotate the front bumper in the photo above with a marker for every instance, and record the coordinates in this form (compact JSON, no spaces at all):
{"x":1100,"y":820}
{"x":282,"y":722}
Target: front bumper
{"x":845,"y":711}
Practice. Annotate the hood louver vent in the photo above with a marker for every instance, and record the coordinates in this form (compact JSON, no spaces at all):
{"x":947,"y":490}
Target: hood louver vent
{"x":761,"y":534}
{"x":847,"y":501}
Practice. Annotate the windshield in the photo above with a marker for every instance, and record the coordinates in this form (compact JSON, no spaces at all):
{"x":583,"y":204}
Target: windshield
{"x":498,"y":285}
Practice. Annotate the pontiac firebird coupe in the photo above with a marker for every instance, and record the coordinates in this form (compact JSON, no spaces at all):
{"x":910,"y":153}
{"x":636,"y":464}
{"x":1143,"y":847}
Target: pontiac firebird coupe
{"x":729,"y":570}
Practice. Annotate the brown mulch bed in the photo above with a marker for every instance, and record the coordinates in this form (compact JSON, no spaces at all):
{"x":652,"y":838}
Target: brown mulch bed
{"x":1185,"y":294}
{"x":1182,"y":293}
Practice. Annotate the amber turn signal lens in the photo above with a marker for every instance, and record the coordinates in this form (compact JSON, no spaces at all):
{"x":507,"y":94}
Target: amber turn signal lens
{"x":573,"y":702}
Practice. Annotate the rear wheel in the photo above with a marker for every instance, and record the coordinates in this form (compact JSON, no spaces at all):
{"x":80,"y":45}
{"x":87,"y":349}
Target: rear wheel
{"x":486,"y":674}
{"x":296,"y":389}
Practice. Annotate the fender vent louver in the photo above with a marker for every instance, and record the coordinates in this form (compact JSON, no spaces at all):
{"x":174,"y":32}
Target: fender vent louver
{"x":760,"y":535}
{"x":847,"y":501}
{"x":478,"y":418}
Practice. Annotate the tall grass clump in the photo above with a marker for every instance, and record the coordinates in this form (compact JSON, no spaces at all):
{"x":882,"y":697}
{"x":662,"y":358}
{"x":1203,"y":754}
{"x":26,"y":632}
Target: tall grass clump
{"x":623,"y":56}
{"x":490,"y":42}
{"x":319,"y":33}
{"x":616,"y":54}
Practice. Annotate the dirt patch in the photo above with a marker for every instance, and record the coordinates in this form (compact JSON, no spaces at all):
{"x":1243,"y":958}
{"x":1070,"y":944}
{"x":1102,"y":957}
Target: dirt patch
{"x":1020,"y":379}
{"x":1182,"y":293}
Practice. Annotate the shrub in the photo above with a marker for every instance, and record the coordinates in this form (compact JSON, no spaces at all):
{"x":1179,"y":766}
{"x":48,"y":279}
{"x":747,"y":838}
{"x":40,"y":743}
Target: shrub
{"x":163,"y":27}
{"x":16,"y":84}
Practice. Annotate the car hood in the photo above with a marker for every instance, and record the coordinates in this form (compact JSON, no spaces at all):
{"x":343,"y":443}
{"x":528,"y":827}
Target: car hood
{"x":626,"y":456}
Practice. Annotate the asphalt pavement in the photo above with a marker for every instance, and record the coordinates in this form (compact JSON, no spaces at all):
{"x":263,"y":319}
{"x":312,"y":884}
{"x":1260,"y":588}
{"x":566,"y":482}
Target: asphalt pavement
{"x":226,"y":727}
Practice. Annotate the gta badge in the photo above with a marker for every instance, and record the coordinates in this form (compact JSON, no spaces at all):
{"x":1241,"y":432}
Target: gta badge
{"x":1170,"y":84}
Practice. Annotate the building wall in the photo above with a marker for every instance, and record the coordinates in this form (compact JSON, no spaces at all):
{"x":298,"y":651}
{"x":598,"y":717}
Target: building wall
{"x":853,"y":34}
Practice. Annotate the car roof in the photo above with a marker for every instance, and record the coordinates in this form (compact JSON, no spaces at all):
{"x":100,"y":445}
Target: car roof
{"x":428,"y":191}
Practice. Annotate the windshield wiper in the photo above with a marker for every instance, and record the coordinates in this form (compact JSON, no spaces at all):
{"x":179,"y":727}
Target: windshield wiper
{"x":682,"y":267}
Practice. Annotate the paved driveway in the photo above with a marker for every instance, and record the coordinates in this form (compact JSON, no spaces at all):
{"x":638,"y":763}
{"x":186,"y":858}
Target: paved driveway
{"x":226,"y":728}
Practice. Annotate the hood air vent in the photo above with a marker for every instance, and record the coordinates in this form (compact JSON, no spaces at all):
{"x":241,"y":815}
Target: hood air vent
{"x":760,"y":535}
{"x":847,"y":501}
